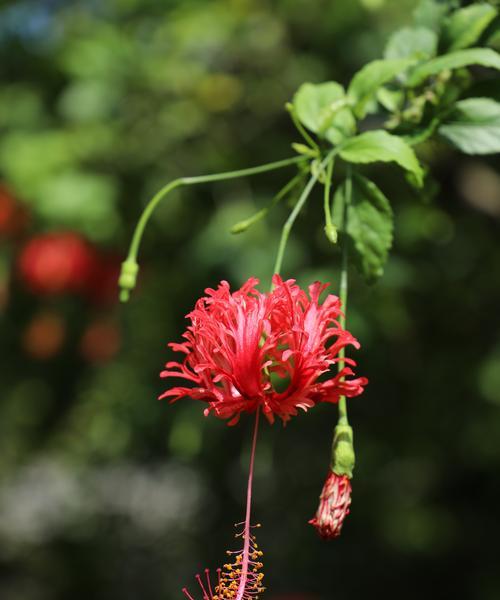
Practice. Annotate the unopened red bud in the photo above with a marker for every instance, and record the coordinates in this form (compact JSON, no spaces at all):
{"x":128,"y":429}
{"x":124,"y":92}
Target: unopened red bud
{"x":333,"y":506}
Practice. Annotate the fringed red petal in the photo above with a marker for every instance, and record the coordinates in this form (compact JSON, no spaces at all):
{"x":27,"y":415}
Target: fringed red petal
{"x":240,"y":344}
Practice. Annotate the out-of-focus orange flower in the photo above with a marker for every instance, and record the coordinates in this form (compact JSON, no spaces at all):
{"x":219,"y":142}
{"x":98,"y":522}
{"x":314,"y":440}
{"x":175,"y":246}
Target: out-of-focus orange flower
{"x":100,"y":341}
{"x":44,"y":336}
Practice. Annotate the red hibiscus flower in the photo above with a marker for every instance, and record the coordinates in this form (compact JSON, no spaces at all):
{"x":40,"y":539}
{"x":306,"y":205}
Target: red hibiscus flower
{"x":246,"y":350}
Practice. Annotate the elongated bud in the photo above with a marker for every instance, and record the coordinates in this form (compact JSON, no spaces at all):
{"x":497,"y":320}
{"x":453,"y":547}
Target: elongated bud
{"x":242,"y":226}
{"x":128,"y":278}
{"x":335,"y":498}
{"x":343,"y":457}
{"x":305,"y":150}
{"x":331,"y":232}
{"x":333,"y":506}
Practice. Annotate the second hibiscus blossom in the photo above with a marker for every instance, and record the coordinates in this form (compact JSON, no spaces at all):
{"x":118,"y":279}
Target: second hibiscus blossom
{"x":247,"y":349}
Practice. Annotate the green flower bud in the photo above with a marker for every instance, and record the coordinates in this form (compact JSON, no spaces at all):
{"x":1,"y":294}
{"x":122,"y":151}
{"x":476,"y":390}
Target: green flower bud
{"x":128,"y":278}
{"x":343,"y":457}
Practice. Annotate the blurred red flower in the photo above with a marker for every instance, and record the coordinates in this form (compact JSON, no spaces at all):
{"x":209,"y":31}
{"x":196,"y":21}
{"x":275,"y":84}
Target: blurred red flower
{"x":333,"y":508}
{"x":246,"y":350}
{"x":56,"y":263}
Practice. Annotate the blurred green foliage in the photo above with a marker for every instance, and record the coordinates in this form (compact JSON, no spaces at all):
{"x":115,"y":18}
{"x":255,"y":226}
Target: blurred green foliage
{"x":106,"y":493}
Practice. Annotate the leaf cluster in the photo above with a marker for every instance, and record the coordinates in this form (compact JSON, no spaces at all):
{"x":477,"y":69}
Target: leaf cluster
{"x":424,"y":87}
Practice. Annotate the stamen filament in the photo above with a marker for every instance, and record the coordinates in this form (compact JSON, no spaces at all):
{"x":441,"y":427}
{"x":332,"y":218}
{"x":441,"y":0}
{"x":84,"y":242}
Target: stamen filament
{"x":203,"y":590}
{"x":207,"y":575}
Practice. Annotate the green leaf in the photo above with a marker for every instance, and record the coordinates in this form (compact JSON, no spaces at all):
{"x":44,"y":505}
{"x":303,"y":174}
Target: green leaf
{"x":343,"y":125}
{"x":369,"y":225}
{"x":322,"y":108}
{"x":312,"y":103}
{"x":430,"y":14}
{"x":418,"y":42}
{"x":454,"y":60}
{"x":474,"y":126}
{"x":367,"y":81}
{"x":374,"y":146}
{"x":465,"y":26}
{"x":391,"y":100}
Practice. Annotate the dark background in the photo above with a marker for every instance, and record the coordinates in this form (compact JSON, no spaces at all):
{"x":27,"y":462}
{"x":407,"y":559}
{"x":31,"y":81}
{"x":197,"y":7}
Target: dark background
{"x":107,"y":493}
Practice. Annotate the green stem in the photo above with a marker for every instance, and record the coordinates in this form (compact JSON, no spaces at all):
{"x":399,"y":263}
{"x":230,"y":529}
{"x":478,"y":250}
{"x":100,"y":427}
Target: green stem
{"x":287,"y":227}
{"x":242,"y":226}
{"x":330,"y":230}
{"x":130,"y":268}
{"x":344,"y":287}
{"x":184,"y":181}
{"x":301,"y":129}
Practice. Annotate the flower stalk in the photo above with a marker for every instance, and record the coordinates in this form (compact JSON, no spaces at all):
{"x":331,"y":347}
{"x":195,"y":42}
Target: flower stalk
{"x":306,"y":192}
{"x":242,"y":226}
{"x":330,"y":229}
{"x":335,"y":498}
{"x":130,"y":268}
{"x":344,"y":286}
